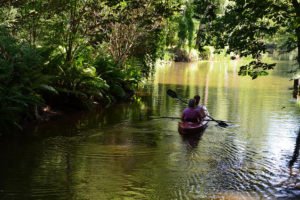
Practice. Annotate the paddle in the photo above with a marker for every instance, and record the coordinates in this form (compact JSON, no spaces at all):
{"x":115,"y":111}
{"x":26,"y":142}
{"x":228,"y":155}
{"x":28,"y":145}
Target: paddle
{"x":167,"y":117}
{"x":173,"y":94}
{"x":164,"y":117}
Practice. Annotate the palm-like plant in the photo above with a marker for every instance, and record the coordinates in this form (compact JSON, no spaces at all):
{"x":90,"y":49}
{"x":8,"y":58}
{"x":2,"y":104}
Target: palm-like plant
{"x":21,"y":81}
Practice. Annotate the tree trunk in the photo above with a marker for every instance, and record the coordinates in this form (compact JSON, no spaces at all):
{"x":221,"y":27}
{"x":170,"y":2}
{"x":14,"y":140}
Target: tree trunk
{"x":296,"y":5}
{"x":298,"y":45}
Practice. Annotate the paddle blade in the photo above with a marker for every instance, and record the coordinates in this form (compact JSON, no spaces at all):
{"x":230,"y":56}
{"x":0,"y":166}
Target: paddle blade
{"x":222,"y":124}
{"x":171,"y":93}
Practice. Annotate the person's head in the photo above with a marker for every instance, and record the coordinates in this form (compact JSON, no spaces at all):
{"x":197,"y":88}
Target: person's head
{"x":191,"y":103}
{"x":197,"y":99}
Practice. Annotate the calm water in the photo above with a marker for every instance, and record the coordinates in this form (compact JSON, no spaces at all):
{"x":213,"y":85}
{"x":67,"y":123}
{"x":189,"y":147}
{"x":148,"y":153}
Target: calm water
{"x":120,"y":153}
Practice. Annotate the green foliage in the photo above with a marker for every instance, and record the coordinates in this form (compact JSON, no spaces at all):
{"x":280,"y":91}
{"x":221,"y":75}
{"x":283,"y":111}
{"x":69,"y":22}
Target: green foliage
{"x":186,"y":27}
{"x":190,"y":25}
{"x":182,"y":33}
{"x":57,"y":46}
{"x":120,"y":81}
{"x":205,"y":53}
{"x":77,"y":78}
{"x":113,"y":76}
{"x":206,"y":11}
{"x":247,"y":25}
{"x":136,"y":30}
{"x":255,"y":69}
{"x":171,"y":32}
{"x":21,"y":80}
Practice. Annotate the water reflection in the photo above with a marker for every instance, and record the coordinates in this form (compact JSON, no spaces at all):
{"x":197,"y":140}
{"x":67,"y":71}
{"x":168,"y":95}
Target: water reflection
{"x":296,"y":152}
{"x":192,"y":140}
{"x":120,"y":153}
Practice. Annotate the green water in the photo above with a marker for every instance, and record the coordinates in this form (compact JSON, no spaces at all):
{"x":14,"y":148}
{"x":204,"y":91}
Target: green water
{"x":120,"y":153}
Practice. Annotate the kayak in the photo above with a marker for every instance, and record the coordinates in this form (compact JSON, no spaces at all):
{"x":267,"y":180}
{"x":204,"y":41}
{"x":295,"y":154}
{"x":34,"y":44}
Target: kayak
{"x":186,"y":128}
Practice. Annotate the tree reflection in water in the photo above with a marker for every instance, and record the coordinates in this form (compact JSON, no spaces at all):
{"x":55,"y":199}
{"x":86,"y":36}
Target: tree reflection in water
{"x":293,"y":180}
{"x":296,"y":152}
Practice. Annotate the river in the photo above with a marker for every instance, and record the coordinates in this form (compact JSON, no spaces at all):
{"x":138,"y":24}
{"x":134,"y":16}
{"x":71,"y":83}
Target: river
{"x":123,"y":152}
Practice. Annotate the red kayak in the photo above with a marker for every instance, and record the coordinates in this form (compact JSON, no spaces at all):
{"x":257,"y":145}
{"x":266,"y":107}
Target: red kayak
{"x":186,"y":128}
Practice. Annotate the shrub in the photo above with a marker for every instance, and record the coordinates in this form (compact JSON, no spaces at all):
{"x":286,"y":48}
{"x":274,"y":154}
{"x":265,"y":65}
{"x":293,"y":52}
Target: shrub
{"x":21,"y":81}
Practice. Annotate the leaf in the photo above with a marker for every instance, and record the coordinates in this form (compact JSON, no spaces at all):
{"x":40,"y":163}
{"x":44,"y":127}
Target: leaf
{"x":49,"y":88}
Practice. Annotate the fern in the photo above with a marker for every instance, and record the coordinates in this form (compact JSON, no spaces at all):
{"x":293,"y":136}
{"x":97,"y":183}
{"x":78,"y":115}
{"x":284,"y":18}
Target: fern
{"x":21,"y":81}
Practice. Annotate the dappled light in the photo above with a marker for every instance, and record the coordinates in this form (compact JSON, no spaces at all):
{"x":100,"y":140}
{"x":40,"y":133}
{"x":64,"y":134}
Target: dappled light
{"x":100,"y":99}
{"x":127,"y":151}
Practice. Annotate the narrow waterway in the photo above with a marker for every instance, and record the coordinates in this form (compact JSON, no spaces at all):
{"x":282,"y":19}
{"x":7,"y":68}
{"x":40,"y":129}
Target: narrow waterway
{"x":122,"y":153}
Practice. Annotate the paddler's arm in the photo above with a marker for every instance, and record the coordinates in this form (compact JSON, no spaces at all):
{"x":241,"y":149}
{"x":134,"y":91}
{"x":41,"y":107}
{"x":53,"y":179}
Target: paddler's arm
{"x":205,"y":111}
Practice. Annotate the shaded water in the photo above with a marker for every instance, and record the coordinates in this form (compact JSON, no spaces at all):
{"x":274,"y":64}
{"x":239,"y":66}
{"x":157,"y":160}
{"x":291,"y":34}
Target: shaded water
{"x":120,"y":153}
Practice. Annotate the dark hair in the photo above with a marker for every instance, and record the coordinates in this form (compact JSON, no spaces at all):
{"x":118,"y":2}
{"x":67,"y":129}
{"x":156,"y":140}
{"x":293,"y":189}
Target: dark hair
{"x":197,"y":99}
{"x":191,"y":103}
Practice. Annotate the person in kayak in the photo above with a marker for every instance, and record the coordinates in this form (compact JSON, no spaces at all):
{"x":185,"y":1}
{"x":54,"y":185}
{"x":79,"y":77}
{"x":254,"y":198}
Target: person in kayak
{"x":200,"y":108}
{"x":190,"y":114}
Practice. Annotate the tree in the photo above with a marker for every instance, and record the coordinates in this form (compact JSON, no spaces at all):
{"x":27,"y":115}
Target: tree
{"x":186,"y":27}
{"x":21,"y":81}
{"x":136,"y":26}
{"x":206,"y":12}
{"x":246,"y":25}
{"x":90,"y":49}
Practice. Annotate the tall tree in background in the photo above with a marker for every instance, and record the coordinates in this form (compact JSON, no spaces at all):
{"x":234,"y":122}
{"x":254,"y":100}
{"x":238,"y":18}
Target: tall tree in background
{"x":134,"y":27}
{"x":186,"y":26}
{"x":206,"y":12}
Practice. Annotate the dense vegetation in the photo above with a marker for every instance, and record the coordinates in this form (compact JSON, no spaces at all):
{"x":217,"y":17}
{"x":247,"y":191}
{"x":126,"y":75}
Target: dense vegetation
{"x":247,"y":28}
{"x":75,"y":53}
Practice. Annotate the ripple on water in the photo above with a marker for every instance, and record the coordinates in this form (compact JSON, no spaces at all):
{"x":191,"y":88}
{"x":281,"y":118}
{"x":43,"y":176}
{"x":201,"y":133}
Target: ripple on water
{"x":237,"y":167}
